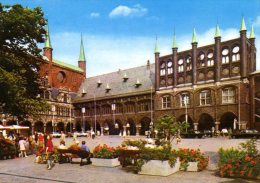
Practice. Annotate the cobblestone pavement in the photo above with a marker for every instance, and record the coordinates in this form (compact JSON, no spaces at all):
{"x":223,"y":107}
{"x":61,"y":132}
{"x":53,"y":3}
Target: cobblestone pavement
{"x":24,"y":170}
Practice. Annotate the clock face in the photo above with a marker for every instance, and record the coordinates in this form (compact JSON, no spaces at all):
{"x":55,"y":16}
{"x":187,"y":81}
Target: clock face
{"x":169,"y":64}
{"x":61,"y":77}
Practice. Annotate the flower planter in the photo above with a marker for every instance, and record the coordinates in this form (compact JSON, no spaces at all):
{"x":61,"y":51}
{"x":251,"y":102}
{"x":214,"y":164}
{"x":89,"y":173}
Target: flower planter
{"x":105,"y":162}
{"x":160,"y":168}
{"x":192,"y":167}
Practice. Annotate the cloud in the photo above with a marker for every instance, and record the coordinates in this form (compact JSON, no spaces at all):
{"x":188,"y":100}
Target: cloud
{"x":125,"y":11}
{"x":94,"y":15}
{"x":128,"y":51}
{"x":256,"y":23}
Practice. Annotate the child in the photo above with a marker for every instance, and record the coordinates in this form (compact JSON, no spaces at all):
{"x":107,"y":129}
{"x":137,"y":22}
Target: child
{"x":22,"y":144}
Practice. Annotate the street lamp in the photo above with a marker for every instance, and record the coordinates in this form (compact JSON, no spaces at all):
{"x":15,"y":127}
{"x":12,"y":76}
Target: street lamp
{"x":150,"y":129}
{"x":53,"y":108}
{"x":83,"y":110}
{"x":127,"y":128}
{"x":113,"y":109}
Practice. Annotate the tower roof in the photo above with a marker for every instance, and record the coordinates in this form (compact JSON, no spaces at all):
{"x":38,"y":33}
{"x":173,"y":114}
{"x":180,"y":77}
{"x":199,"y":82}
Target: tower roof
{"x":252,"y":32}
{"x":243,"y":25}
{"x":82,"y":53}
{"x":174,"y":42}
{"x":217,"y":32}
{"x":156,"y":49}
{"x":47,"y":43}
{"x":194,"y":36}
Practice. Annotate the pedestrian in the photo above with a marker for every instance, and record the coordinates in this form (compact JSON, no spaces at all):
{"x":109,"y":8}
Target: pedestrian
{"x":40,"y":139}
{"x":22,"y":145}
{"x":49,"y":151}
{"x":62,"y":136}
{"x":36,"y":137}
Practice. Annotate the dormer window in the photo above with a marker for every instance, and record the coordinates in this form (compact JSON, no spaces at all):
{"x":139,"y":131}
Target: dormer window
{"x":125,"y":78}
{"x":83,"y":92}
{"x":108,"y":88}
{"x":137,"y":84}
{"x":99,"y":83}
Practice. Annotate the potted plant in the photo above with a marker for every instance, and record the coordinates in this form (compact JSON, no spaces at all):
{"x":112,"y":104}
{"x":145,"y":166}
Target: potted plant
{"x":105,"y":156}
{"x":192,"y":160}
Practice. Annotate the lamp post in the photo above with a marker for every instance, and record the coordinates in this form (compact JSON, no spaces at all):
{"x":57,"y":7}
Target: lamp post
{"x":186,"y":109}
{"x":53,"y":108}
{"x":83,"y":110}
{"x":95,"y":111}
{"x":151,"y":124}
{"x":113,"y":109}
{"x":127,"y":128}
{"x":150,"y":129}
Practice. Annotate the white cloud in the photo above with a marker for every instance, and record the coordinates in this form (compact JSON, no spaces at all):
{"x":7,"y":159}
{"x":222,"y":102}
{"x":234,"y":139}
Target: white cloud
{"x":121,"y":10}
{"x":256,"y":23}
{"x":94,"y":15}
{"x":107,"y":54}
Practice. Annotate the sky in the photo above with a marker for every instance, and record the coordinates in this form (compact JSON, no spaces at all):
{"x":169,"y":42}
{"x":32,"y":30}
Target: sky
{"x":120,"y":34}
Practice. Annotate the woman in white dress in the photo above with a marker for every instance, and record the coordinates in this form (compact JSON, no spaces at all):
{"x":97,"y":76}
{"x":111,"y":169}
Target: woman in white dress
{"x":22,"y":144}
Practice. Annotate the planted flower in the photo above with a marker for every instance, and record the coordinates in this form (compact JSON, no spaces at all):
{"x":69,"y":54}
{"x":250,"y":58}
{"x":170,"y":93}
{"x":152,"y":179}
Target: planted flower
{"x":105,"y":152}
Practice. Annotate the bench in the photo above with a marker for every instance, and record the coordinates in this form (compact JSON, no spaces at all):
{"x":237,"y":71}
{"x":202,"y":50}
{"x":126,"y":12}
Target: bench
{"x":68,"y":154}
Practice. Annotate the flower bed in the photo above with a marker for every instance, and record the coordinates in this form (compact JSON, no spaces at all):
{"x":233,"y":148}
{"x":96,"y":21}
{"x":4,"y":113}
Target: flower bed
{"x":190,"y":155}
{"x":242,"y":162}
{"x":105,"y":156}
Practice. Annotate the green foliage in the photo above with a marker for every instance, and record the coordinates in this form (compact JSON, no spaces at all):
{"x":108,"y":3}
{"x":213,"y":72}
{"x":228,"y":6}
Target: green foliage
{"x":241,"y":162}
{"x":135,"y":143}
{"x":105,"y":152}
{"x":21,"y":30}
{"x":168,"y":127}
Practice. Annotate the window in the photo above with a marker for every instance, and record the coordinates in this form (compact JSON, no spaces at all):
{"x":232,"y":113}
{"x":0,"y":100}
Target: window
{"x":169,"y":67}
{"x":130,"y":107}
{"x":180,"y":65}
{"x":202,"y":60}
{"x":205,"y":97}
{"x":210,"y":61}
{"x":228,"y":95}
{"x":162,"y":70}
{"x":166,"y":102}
{"x":119,"y":108}
{"x":235,"y":54}
{"x":188,"y":64}
{"x":225,"y":57}
{"x":145,"y":106}
{"x":185,"y":99}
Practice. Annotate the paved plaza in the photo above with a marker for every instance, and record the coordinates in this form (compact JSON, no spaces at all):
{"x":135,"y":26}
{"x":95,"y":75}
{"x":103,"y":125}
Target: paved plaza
{"x":25,"y":170}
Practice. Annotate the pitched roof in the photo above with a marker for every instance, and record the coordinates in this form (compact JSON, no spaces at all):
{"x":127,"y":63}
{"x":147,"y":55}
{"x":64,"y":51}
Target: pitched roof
{"x":63,"y":64}
{"x":115,"y":80}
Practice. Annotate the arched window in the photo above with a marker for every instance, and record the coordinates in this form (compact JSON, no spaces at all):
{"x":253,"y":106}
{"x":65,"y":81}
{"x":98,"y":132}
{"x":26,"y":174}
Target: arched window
{"x":235,"y":54}
{"x":201,"y":60}
{"x":188,"y":63}
{"x":162,"y":69}
{"x":228,"y":95}
{"x":185,"y":99}
{"x":169,"y":67}
{"x":210,"y":58}
{"x":205,"y":98}
{"x":166,"y":102}
{"x":225,"y":56}
{"x":180,"y":65}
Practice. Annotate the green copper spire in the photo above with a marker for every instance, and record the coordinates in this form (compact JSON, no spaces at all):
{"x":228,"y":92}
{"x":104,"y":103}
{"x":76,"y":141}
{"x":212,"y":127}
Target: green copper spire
{"x":82,"y":53}
{"x":194,"y":36}
{"x":252,"y":32}
{"x":243,"y":25}
{"x":174,"y":42}
{"x":217,"y":32}
{"x":47,"y":43}
{"x":156,"y":50}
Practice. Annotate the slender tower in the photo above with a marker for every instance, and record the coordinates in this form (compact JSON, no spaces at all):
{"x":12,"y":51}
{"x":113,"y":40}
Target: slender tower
{"x":174,"y":59}
{"x":157,"y":66}
{"x":194,"y":44}
{"x":82,"y":59}
{"x":243,"y":49}
{"x":217,"y":54}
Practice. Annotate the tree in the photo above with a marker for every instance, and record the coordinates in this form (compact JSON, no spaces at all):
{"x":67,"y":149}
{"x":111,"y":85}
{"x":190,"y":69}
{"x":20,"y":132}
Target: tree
{"x":167,"y":127}
{"x":20,"y":30}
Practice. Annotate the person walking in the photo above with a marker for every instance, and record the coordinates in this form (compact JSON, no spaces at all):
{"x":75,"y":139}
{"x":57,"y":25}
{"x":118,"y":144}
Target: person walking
{"x":62,"y":137}
{"x":41,"y":140}
{"x":49,"y":151}
{"x":22,"y":146}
